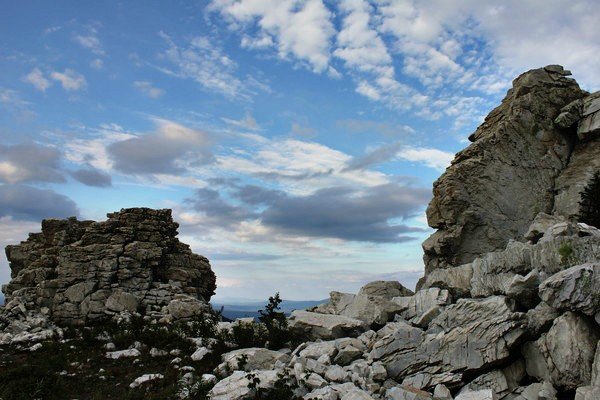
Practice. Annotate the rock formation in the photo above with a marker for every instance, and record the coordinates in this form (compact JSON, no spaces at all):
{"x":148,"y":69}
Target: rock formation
{"x":80,"y":271}
{"x":508,"y":309}
{"x":495,"y":187}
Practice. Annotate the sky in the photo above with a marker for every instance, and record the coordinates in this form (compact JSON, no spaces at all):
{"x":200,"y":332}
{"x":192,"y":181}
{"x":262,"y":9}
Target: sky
{"x":295,"y":140}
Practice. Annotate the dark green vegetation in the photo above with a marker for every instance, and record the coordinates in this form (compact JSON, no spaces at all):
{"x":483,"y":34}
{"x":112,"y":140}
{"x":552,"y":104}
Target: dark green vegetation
{"x":76,"y":367}
{"x":590,"y":202}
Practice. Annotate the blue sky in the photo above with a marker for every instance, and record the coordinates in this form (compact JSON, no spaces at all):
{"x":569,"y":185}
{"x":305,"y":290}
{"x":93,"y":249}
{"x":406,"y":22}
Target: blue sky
{"x":295,"y":140}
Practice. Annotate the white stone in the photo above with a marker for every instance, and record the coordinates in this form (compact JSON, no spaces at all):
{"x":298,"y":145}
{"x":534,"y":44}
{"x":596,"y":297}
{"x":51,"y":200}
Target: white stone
{"x":145,"y":378}
{"x":115,"y":355}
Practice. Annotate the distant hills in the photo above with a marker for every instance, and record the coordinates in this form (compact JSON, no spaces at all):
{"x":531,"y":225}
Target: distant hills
{"x":240,"y":308}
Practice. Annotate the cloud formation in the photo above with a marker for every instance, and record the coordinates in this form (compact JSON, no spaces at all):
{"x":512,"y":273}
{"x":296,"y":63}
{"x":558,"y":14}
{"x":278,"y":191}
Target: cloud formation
{"x":37,"y":79}
{"x":69,"y":79}
{"x":206,"y":64}
{"x":300,"y":29}
{"x":30,"y":163}
{"x":168,"y":150}
{"x":22,"y":202}
{"x":148,"y":89}
{"x":340,"y":212}
{"x":90,"y":176}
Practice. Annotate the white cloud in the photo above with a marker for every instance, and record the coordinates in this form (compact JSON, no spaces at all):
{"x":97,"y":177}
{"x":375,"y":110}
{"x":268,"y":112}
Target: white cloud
{"x":37,"y":79}
{"x":69,"y":79}
{"x":298,"y":28}
{"x":300,"y":166}
{"x":90,"y":42}
{"x":147,"y":89}
{"x":433,"y":158}
{"x":248,"y":122}
{"x":206,"y":64}
{"x":97,"y":64}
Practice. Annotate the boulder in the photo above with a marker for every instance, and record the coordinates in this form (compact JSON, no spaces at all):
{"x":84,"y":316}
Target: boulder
{"x":422,"y":301}
{"x":564,"y":355}
{"x":500,"y":381}
{"x":541,"y":224}
{"x":325,"y":326}
{"x":447,"y":350}
{"x":486,"y":394}
{"x":406,"y":393}
{"x":235,"y":386}
{"x":254,"y":358}
{"x":588,"y":126}
{"x":385,"y":289}
{"x":120,"y":301}
{"x":592,"y":391}
{"x":540,"y":318}
{"x":574,"y":289}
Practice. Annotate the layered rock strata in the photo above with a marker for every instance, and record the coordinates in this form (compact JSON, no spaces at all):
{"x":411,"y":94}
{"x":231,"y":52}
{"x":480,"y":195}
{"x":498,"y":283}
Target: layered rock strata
{"x":80,"y":271}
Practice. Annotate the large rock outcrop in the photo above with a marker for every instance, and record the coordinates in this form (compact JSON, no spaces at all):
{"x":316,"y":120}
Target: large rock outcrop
{"x":79,"y":271}
{"x":495,"y":187}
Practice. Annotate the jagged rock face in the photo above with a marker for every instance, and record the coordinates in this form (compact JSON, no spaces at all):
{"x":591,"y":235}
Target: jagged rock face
{"x":496,"y":186}
{"x":82,"y":270}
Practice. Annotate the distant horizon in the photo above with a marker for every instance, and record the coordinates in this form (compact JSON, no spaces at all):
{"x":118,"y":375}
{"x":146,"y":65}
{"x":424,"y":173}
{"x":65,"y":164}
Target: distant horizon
{"x":297,"y":141}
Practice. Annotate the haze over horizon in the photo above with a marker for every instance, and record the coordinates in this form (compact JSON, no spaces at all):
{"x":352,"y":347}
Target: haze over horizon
{"x":295,"y":140}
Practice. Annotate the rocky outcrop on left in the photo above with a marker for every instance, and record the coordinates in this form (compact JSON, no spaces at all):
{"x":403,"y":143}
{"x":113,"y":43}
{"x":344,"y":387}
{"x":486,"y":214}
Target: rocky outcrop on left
{"x":76,"y":272}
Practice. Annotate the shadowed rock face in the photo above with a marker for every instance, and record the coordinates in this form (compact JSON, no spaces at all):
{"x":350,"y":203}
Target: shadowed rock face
{"x":496,"y":186}
{"x":82,"y":270}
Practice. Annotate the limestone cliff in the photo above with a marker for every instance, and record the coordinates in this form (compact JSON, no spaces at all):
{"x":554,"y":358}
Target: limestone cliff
{"x":521,"y":163}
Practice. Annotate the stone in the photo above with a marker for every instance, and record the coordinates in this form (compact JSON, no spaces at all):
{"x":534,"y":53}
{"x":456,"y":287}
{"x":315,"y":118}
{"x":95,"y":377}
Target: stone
{"x":589,"y":124}
{"x":326,"y":393}
{"x":385,"y":289}
{"x":235,"y":386}
{"x":406,"y":393}
{"x":591,"y":391}
{"x":501,"y":381}
{"x":185,"y":307}
{"x":574,"y":289}
{"x":372,"y":304}
{"x":564,"y":355}
{"x":519,"y":149}
{"x":423,"y":320}
{"x":120,"y":301}
{"x":486,"y":394}
{"x":446,"y":351}
{"x":199,"y":354}
{"x":423,"y":300}
{"x":145,"y":378}
{"x":540,"y":318}
{"x":457,"y":280}
{"x":256,"y":358}
{"x":315,"y":381}
{"x":541,"y":224}
{"x":336,"y":373}
{"x":82,"y":271}
{"x":569,"y":185}
{"x":441,"y":392}
{"x":524,"y":289}
{"x":115,"y":355}
{"x":324,"y":326}
{"x":356,"y":394}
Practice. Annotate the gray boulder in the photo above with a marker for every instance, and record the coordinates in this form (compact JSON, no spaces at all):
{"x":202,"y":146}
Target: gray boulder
{"x":251,"y":359}
{"x":325,"y":326}
{"x":447,"y":350}
{"x":407,"y":393}
{"x":575,"y":289}
{"x":235,"y":386}
{"x":564,"y":355}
